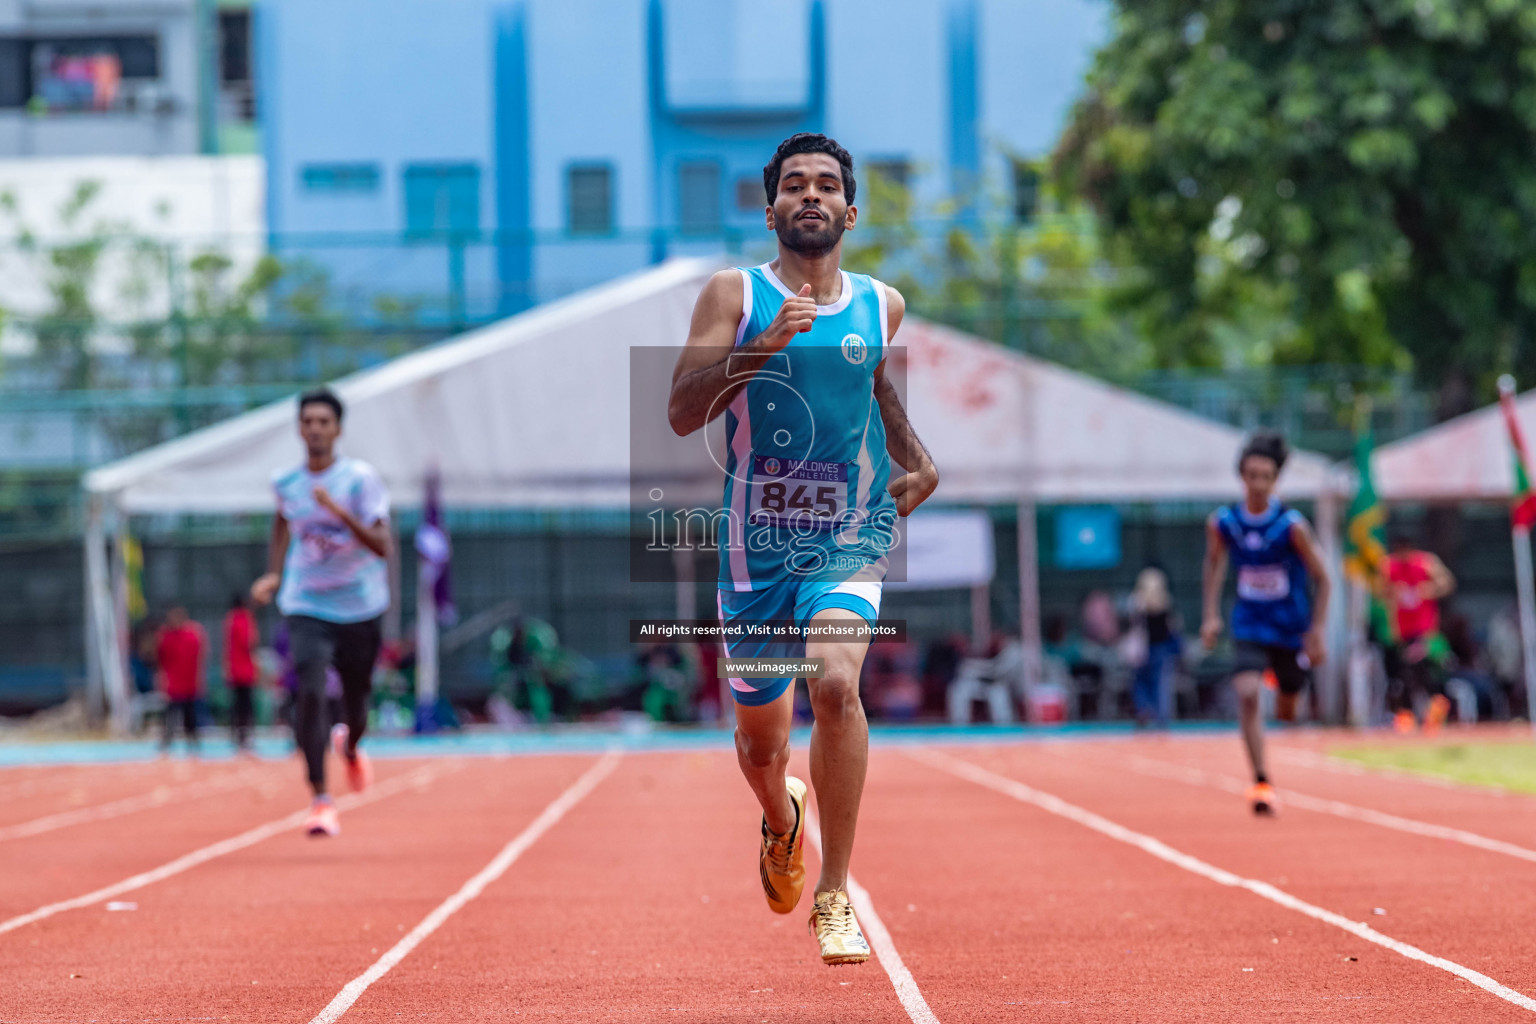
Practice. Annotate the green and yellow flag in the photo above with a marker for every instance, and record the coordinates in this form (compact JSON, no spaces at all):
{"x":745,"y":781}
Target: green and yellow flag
{"x":1365,"y":542}
{"x":133,"y":568}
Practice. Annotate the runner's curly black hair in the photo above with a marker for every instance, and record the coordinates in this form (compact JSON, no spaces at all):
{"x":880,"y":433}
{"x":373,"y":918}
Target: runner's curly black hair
{"x":808,"y":142}
{"x":1268,"y":443}
{"x":321,"y":396}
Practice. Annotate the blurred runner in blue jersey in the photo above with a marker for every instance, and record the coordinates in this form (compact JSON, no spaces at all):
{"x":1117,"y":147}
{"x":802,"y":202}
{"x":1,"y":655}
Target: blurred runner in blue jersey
{"x":327,"y":570}
{"x":1279,"y":618}
{"x":793,"y":354}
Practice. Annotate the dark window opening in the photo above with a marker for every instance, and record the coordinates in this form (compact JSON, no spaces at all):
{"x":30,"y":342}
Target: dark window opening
{"x":77,"y":73}
{"x":356,"y":177}
{"x":1026,"y":192}
{"x":590,"y":194}
{"x":442,"y":198}
{"x":750,"y":196}
{"x":886,"y":190}
{"x":235,"y":64}
{"x":698,"y":194}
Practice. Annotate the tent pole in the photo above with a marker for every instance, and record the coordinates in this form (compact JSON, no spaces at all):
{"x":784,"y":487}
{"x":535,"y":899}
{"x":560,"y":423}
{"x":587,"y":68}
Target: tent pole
{"x":1029,"y":593}
{"x":981,"y":616}
{"x":95,"y":582}
{"x":116,"y":676}
{"x":1336,"y":630}
{"x":1527,"y":594}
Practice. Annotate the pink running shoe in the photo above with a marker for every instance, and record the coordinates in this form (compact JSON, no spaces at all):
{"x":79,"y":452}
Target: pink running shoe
{"x":359,"y":768}
{"x":323,"y":820}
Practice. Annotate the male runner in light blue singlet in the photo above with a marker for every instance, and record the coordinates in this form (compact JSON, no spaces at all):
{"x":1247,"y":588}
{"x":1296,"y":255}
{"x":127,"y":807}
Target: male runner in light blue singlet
{"x":1282,"y":598}
{"x":793,"y":353}
{"x":327,"y":568}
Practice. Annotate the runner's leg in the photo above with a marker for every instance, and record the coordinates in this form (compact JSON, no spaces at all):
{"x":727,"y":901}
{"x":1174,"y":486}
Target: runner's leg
{"x":1249,"y":687}
{"x":839,"y":746}
{"x":357,"y":648}
{"x":314,"y":648}
{"x":762,"y":750}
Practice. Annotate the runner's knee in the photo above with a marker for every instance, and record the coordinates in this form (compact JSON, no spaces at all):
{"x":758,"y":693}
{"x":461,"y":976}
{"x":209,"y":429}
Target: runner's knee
{"x":761,"y":752}
{"x":836,"y":696}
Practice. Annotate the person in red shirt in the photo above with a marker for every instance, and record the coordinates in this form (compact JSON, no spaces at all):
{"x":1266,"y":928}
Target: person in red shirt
{"x":1416,"y":581}
{"x":182,"y":646}
{"x":240,"y":637}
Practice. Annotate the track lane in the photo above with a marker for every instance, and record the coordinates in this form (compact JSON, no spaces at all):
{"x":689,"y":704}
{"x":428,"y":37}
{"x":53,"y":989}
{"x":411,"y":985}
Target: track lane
{"x":1437,"y":896}
{"x":272,"y":931}
{"x":643,"y":905}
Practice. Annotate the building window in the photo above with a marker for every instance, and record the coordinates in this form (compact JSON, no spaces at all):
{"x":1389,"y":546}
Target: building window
{"x":698,"y":197}
{"x":892,"y":172}
{"x":749,"y":194}
{"x":886,"y":191}
{"x":442,"y":198}
{"x":78,"y":73}
{"x":340,"y":177}
{"x":590,"y":193}
{"x":1026,"y":192}
{"x":235,"y":85}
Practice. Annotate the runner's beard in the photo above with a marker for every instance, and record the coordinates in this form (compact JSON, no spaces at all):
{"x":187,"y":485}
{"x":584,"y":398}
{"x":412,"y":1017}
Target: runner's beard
{"x":813,"y":242}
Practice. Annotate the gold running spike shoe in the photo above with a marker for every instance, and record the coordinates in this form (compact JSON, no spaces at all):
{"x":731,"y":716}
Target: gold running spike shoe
{"x":782,"y":860}
{"x":837,"y":930}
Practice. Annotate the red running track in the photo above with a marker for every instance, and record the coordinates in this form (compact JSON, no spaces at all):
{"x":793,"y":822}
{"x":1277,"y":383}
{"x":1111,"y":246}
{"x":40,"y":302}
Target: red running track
{"x":641,"y":903}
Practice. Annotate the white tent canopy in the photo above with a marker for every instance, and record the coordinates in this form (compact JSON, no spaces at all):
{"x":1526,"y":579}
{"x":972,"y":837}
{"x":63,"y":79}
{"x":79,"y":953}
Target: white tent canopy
{"x":1464,"y":459}
{"x":535,"y":412}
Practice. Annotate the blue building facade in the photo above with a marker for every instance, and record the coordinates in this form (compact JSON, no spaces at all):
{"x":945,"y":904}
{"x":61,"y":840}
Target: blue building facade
{"x":473,"y":157}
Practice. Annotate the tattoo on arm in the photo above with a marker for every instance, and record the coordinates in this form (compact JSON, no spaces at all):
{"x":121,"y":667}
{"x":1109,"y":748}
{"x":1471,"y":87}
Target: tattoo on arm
{"x":901,"y":441}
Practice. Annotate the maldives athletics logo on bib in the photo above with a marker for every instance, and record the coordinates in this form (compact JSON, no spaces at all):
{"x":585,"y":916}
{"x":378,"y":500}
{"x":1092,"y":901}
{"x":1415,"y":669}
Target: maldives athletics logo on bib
{"x":854,"y":349}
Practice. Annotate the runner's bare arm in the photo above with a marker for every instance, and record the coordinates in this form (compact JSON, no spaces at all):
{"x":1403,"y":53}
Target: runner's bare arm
{"x":374,"y":536}
{"x":1305,"y":542}
{"x":710,"y":370}
{"x":1441,"y":582}
{"x":265,"y":587}
{"x":1213,"y":575}
{"x":901,"y":441}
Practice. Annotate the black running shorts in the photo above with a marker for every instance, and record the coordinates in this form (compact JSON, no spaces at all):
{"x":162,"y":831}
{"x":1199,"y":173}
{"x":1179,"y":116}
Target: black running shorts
{"x":1289,"y":665}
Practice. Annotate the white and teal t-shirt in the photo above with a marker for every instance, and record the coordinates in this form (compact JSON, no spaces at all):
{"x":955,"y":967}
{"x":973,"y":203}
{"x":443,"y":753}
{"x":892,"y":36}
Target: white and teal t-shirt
{"x":329,"y":574}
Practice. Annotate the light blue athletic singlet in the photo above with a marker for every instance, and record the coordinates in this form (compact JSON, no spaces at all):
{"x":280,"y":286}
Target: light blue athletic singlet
{"x":806,"y":463}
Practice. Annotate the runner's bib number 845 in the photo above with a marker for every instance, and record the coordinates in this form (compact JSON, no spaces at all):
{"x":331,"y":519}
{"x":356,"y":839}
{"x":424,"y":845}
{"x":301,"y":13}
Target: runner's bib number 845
{"x":786,"y":492}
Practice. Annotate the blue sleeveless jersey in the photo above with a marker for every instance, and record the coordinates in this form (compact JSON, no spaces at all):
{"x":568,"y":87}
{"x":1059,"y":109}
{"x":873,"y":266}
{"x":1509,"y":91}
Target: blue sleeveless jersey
{"x":1274,"y":605}
{"x":806,"y":465}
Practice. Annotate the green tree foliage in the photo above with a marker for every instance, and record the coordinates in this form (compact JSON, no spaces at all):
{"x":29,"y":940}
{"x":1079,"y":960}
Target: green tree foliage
{"x":1320,"y":181}
{"x":1035,"y":282}
{"x":192,"y":316}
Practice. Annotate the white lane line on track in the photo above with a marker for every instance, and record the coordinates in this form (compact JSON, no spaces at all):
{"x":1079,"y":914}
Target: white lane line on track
{"x":389,"y":787}
{"x":879,"y":940}
{"x":1057,"y":806}
{"x":158,"y":797}
{"x":1290,"y":798}
{"x":498,"y":866}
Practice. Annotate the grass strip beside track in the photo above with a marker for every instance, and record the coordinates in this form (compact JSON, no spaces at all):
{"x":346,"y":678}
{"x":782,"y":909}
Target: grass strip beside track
{"x":1502,"y":765}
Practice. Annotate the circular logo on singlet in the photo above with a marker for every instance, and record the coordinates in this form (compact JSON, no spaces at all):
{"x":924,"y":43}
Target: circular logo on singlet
{"x":854,"y":349}
{"x":771,"y":467}
{"x":1253,"y":541}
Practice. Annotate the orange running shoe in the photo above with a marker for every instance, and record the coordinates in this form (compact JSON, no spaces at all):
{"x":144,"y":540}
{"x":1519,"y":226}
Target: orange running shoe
{"x":1405,"y":723}
{"x":323,"y":819}
{"x":1435,"y":715}
{"x":1261,"y":797}
{"x":359,"y":768}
